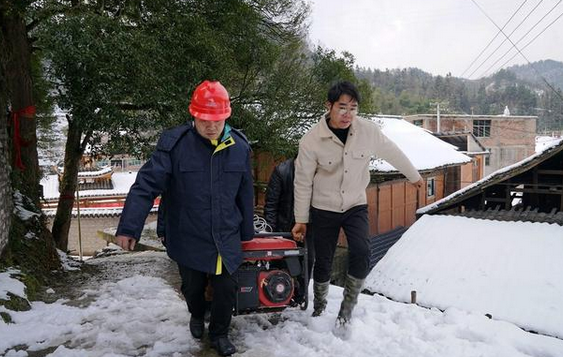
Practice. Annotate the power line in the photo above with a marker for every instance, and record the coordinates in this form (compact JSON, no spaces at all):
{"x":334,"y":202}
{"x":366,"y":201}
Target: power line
{"x":542,"y":77}
{"x":521,"y":38}
{"x":520,"y":52}
{"x":502,"y":43}
{"x":494,"y":38}
{"x":529,"y":43}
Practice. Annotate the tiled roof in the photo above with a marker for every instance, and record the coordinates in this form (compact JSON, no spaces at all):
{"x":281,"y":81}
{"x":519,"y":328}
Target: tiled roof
{"x":93,"y":212}
{"x":121,"y":183}
{"x":492,"y":179}
{"x":380,"y":244}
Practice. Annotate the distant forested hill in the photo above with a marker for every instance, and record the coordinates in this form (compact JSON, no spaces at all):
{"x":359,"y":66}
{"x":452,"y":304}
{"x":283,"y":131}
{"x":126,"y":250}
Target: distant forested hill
{"x":551,"y":70}
{"x":411,"y":91}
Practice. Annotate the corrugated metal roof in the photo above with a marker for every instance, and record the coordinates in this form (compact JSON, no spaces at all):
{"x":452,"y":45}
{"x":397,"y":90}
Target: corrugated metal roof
{"x":380,"y":244}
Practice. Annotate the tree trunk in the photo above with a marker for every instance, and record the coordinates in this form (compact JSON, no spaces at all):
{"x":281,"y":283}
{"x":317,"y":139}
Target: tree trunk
{"x":39,"y":255}
{"x":67,"y":186}
{"x":5,"y":183}
{"x":17,"y":56}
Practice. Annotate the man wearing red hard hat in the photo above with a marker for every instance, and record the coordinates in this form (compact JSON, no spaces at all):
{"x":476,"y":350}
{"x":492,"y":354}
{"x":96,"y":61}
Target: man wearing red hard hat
{"x":203,"y":169}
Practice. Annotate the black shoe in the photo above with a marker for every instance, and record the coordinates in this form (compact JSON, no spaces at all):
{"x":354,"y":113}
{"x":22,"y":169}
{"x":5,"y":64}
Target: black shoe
{"x":196,"y":327}
{"x":223,"y":346}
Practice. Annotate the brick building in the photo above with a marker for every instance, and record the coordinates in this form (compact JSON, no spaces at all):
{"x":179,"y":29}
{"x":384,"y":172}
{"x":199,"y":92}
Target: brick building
{"x":508,"y":138}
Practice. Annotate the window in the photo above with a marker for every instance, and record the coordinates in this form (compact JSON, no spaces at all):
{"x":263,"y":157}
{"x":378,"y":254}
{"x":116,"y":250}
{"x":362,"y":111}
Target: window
{"x":487,"y":161}
{"x":482,"y":128}
{"x":430,"y":187}
{"x":418,"y":122}
{"x":134,"y":162}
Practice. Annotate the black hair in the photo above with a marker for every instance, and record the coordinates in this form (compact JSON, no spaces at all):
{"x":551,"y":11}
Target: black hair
{"x":343,"y":87}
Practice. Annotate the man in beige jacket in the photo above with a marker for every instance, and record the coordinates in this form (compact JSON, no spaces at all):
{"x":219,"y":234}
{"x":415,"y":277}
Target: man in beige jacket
{"x":331,"y":177}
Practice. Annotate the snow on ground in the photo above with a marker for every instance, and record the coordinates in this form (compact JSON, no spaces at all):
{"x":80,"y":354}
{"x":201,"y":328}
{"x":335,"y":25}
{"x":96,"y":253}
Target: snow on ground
{"x":133,"y":309}
{"x":10,"y":284}
{"x":511,"y":270}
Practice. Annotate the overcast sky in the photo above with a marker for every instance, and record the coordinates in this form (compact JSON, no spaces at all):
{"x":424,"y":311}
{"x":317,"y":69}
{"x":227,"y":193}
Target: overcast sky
{"x":437,"y":36}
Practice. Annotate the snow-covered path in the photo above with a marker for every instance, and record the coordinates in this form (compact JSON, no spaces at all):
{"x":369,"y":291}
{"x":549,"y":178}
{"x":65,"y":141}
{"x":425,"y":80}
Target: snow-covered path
{"x":137,"y":312}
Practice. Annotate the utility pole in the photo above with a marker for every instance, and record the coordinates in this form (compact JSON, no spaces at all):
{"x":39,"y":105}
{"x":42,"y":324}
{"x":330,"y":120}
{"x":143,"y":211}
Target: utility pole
{"x":437,"y":104}
{"x":78,"y":219}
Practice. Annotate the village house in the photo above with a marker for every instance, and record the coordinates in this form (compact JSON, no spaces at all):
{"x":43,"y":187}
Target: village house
{"x":493,"y":248}
{"x":98,"y":205}
{"x":469,"y":145}
{"x":508,"y":138}
{"x":531,"y":189}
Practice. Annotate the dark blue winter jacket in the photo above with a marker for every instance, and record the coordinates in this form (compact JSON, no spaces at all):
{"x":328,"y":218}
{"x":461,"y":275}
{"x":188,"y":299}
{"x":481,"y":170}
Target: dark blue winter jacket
{"x":209,"y":201}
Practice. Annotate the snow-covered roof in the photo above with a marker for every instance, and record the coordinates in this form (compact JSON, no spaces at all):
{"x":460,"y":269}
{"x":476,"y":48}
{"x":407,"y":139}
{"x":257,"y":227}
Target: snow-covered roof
{"x":470,"y":116}
{"x":100,"y":172}
{"x":501,"y":174}
{"x":122,"y":182}
{"x":544,"y":142}
{"x":511,"y":270}
{"x":93,"y":211}
{"x":425,"y":151}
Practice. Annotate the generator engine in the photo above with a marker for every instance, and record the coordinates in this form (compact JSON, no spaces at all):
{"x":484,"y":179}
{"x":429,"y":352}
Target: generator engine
{"x":272,"y":277}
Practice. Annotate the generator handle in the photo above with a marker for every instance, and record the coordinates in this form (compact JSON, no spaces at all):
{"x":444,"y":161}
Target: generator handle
{"x":273,"y":234}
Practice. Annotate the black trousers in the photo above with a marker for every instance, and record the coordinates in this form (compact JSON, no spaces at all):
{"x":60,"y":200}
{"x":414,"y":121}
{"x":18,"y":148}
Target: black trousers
{"x":310,"y":249}
{"x":326,"y":228}
{"x":194,"y":283}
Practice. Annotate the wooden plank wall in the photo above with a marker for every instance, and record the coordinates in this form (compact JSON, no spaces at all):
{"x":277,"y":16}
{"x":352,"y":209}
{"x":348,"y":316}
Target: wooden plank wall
{"x":467,"y":174}
{"x":390,"y":204}
{"x":393,"y":204}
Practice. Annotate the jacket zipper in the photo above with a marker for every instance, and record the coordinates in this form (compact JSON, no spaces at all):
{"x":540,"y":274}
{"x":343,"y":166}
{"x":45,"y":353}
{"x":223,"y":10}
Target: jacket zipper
{"x":212,"y":231}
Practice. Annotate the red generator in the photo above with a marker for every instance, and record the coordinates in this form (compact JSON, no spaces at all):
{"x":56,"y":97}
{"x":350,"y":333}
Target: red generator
{"x":273,"y":275}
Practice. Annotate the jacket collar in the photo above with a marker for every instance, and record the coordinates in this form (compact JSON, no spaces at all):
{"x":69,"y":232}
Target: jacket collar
{"x":226,"y":140}
{"x":324,"y":130}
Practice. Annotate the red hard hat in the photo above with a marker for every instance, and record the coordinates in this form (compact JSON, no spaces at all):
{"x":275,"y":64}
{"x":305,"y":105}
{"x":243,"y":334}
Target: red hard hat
{"x":210,"y":101}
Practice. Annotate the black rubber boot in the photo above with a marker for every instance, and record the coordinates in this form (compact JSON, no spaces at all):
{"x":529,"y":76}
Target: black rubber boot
{"x":196,"y":327}
{"x":320,"y":291}
{"x":352,"y":288}
{"x":223,"y":346}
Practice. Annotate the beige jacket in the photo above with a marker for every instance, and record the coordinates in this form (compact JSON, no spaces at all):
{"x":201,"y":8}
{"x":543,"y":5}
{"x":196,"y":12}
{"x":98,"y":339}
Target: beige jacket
{"x":334,"y":177}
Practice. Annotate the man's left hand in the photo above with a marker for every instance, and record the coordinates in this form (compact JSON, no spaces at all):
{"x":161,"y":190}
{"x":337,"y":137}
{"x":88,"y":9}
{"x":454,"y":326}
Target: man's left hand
{"x":125,"y":242}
